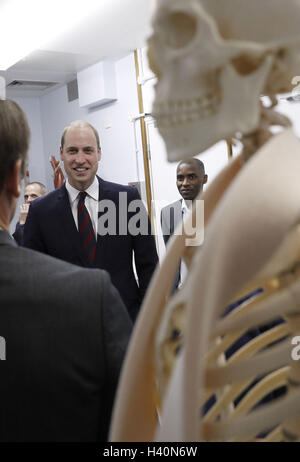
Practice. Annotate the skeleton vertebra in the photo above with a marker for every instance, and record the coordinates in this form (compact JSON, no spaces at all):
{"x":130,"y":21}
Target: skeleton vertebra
{"x":212,"y":64}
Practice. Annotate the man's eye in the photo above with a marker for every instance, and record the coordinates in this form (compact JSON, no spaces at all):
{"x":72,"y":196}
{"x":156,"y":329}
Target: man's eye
{"x":179,"y":178}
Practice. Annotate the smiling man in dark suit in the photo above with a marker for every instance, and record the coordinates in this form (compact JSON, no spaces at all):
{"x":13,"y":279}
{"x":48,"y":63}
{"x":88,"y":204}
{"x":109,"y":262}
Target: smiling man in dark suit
{"x":64,"y":328}
{"x":87,"y":220}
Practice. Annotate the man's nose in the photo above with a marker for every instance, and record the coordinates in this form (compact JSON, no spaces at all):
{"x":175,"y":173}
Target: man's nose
{"x":185,"y":181}
{"x":80,"y":158}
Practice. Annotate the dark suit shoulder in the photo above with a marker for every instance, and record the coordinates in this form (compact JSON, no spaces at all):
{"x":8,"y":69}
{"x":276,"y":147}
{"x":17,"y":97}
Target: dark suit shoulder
{"x":49,"y":201}
{"x":56,"y":283}
{"x":67,"y":331}
{"x":18,"y":234}
{"x":56,"y":193}
{"x":53,"y":268}
{"x":115,"y":188}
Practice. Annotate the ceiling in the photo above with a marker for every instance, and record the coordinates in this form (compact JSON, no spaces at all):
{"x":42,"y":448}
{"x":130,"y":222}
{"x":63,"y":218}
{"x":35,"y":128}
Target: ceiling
{"x":116,"y":28}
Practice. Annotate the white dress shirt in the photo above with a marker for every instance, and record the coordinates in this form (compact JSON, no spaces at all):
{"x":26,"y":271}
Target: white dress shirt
{"x":91,"y":202}
{"x":185,"y":210}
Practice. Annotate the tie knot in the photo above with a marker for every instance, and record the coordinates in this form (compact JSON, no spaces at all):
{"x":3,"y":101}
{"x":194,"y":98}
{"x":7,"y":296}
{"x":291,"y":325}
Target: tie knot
{"x":82,"y":195}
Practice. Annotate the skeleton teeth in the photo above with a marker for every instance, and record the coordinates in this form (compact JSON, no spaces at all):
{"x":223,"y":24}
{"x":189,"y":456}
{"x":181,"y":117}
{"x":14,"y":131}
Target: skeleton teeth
{"x":178,"y":112}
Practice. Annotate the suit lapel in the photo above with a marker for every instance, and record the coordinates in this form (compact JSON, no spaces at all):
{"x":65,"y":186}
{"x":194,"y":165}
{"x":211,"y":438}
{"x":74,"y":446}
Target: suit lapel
{"x":172,"y":221}
{"x":177,"y":214}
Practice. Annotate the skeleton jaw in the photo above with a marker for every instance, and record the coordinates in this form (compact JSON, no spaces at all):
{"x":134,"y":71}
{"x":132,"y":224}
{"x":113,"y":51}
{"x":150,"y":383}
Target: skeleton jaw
{"x":234,"y":108}
{"x":177,"y":112}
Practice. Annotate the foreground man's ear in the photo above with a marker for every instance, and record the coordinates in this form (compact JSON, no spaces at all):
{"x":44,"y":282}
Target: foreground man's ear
{"x":14,"y":180}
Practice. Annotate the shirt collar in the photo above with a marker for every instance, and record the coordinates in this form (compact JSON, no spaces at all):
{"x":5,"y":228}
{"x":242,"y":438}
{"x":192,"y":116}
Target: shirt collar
{"x":92,"y":190}
{"x":184,"y":206}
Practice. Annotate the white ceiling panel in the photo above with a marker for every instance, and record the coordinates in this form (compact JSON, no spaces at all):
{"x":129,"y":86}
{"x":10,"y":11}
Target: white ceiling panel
{"x":115,"y":28}
{"x":121,"y":26}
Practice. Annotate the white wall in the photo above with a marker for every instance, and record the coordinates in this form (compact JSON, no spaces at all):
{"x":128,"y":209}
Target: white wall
{"x":292,"y":111}
{"x":113,"y":121}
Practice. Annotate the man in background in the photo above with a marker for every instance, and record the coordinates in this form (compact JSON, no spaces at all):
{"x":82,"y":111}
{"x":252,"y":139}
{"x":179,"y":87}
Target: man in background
{"x":32,"y":191}
{"x":190,"y":178}
{"x":65,"y":328}
{"x":67,"y":223}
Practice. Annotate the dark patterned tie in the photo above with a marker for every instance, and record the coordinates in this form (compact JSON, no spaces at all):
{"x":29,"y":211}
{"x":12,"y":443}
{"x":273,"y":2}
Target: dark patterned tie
{"x":85,"y":228}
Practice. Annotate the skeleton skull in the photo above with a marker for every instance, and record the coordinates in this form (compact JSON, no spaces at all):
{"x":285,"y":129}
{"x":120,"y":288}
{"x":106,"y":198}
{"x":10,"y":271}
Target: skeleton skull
{"x":213,"y":60}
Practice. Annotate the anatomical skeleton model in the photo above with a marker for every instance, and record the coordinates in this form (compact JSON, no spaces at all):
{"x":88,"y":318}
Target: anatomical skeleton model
{"x":213,"y":60}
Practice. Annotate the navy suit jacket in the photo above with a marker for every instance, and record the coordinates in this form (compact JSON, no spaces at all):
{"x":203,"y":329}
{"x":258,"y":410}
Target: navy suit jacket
{"x":18,"y":234}
{"x":50,"y":228}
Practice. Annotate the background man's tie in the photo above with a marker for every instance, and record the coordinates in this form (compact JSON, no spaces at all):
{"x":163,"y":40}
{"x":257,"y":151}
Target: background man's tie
{"x":85,"y":228}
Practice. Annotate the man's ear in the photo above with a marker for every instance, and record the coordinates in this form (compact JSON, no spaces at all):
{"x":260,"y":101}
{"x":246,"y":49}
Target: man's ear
{"x":205,"y":179}
{"x":14,"y":180}
{"x":61,"y":153}
{"x":99,"y":154}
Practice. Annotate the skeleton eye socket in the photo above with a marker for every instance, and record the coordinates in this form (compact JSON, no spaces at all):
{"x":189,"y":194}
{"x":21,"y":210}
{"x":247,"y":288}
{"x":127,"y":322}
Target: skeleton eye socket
{"x":245,"y":65}
{"x":179,"y":29}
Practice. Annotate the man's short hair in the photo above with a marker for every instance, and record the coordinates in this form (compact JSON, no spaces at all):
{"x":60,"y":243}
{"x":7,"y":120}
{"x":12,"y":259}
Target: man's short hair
{"x":14,"y":138}
{"x":79,"y":124}
{"x":41,"y":185}
{"x":194,"y":161}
